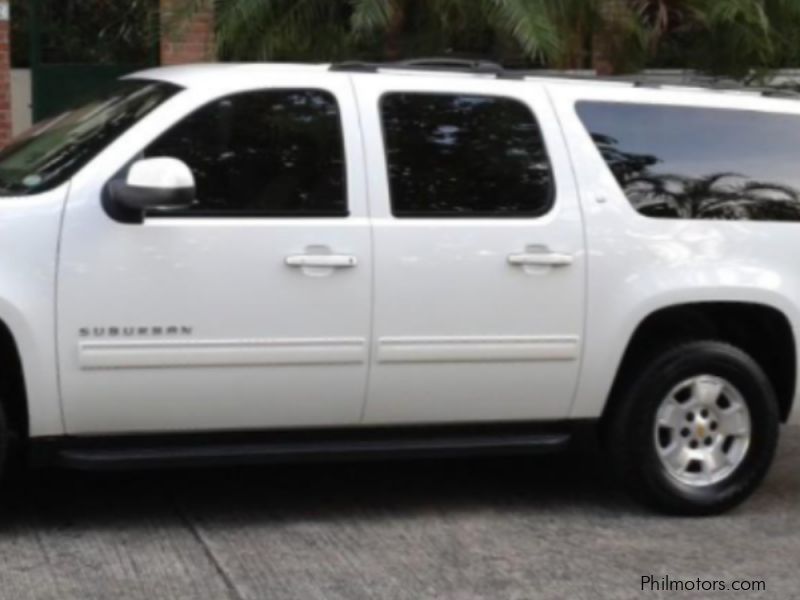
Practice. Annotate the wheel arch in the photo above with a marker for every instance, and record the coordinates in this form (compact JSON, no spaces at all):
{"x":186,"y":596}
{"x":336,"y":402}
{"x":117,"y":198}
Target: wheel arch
{"x":13,"y":391}
{"x":763,"y":331}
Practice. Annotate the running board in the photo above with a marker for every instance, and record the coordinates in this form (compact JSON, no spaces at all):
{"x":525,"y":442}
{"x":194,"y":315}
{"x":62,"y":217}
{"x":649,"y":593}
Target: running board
{"x":140,"y":452}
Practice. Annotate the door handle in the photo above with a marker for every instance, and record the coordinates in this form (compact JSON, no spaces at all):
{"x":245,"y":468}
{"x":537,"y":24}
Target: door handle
{"x":540,"y":259}
{"x":329,"y":261}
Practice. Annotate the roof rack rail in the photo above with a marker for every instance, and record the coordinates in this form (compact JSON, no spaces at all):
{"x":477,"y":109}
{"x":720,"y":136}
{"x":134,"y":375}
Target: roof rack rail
{"x":780,"y":93}
{"x":424,"y":64}
{"x":355,"y":66}
{"x":485,"y":67}
{"x":482,"y":66}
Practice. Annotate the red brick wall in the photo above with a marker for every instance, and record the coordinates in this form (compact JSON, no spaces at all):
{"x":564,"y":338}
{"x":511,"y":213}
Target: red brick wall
{"x":188,"y":42}
{"x":5,"y":84}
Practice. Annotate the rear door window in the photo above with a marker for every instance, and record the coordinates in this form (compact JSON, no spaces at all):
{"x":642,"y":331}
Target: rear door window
{"x":459,"y":155}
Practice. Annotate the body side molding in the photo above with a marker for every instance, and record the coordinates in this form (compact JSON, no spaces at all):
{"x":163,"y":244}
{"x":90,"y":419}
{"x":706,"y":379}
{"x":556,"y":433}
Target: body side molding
{"x":508,"y":348}
{"x":124,"y":354}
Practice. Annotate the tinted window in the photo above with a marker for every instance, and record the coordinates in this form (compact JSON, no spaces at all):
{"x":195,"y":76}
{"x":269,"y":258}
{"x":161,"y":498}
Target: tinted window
{"x":700,"y":163}
{"x":271,"y":153}
{"x":464,"y":156}
{"x":53,"y":151}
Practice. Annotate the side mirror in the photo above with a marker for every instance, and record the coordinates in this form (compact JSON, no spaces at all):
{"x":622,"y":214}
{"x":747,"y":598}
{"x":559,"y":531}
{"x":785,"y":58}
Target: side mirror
{"x":152,"y":183}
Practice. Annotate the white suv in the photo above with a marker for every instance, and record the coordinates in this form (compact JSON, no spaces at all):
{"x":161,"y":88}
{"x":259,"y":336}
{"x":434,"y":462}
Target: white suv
{"x":257,"y":262}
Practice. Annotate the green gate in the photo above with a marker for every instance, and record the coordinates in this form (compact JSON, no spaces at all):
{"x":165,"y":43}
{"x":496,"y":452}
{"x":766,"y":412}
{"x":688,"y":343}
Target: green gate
{"x":62,"y":72}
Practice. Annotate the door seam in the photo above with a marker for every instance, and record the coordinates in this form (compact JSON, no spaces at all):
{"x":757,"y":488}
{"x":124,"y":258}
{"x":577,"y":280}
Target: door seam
{"x":368,"y":206}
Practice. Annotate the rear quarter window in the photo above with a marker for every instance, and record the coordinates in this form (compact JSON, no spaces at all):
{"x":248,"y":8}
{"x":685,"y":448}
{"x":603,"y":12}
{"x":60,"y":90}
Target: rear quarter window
{"x":700,"y":163}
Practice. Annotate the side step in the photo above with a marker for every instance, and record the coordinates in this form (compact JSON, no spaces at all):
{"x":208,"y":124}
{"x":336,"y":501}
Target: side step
{"x":140,"y":452}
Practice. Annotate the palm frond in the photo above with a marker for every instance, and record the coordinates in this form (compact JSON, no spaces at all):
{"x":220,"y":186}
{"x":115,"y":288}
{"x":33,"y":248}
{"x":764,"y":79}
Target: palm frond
{"x":281,"y":29}
{"x":370,"y":16}
{"x":740,"y":38}
{"x":530,"y":24}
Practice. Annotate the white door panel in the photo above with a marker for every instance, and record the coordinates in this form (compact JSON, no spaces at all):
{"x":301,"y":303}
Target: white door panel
{"x":187,"y":324}
{"x":474,"y":319}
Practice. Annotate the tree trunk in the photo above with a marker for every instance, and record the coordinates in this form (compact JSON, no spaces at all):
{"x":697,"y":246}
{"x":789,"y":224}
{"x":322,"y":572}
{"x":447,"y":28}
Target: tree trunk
{"x":608,"y":42}
{"x":393,"y":48}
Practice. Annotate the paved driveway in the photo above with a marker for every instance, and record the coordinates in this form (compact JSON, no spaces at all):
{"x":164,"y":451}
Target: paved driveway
{"x":550,"y":527}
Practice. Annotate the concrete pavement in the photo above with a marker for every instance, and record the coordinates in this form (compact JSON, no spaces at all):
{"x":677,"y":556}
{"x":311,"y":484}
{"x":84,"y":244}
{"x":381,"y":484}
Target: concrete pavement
{"x":550,"y":527}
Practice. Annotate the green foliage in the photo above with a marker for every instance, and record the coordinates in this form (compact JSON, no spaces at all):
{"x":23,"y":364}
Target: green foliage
{"x":720,"y":36}
{"x":282,"y":29}
{"x":743,"y":38}
{"x":84,"y":31}
{"x":527,"y":30}
{"x":531,"y":24}
{"x":738,"y":36}
{"x":20,"y":38}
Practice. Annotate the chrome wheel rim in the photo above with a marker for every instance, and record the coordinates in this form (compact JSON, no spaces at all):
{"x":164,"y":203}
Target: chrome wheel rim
{"x":702,"y":430}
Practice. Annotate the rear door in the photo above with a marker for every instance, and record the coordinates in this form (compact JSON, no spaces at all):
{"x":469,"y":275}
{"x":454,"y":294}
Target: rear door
{"x":478,"y":251}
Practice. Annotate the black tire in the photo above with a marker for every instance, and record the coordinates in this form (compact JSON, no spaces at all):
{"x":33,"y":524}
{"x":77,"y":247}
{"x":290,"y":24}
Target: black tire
{"x":629,"y":429}
{"x":5,"y":444}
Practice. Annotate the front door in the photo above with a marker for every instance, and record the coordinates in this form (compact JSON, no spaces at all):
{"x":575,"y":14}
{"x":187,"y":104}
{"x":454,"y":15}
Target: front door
{"x":479,"y":256}
{"x":248,"y":310}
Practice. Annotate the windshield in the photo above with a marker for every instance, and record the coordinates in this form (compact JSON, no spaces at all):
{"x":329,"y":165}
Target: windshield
{"x":53,"y":151}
